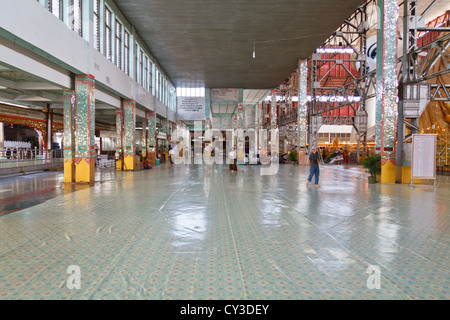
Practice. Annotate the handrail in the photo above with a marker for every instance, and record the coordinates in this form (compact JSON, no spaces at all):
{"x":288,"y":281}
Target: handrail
{"x":14,"y":155}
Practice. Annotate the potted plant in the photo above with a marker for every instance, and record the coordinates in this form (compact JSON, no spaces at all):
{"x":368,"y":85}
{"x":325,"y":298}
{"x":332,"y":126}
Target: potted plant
{"x":293,"y":156}
{"x":373,"y":166}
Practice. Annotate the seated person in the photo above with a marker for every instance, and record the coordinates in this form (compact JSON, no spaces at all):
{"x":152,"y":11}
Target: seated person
{"x":146,"y":164}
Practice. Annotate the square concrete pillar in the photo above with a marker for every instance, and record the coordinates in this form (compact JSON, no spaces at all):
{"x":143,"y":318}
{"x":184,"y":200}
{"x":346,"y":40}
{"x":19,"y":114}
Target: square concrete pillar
{"x":84,"y":128}
{"x":69,"y":136}
{"x":386,"y":92}
{"x":129,"y":112}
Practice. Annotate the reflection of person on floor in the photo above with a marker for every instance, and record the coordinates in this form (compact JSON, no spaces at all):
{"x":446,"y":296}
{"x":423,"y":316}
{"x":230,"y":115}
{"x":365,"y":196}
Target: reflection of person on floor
{"x":171,"y":155}
{"x":314,"y":167}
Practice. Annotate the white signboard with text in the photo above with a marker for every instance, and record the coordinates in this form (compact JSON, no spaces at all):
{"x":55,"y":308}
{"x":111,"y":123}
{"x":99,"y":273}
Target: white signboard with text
{"x":191,"y":108}
{"x":423,"y":156}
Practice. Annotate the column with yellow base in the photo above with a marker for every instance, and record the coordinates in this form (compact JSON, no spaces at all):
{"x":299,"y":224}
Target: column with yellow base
{"x":386,"y":91}
{"x":119,"y":140}
{"x":84,"y":128}
{"x":69,"y":141}
{"x":129,"y":112}
{"x":387,"y":170}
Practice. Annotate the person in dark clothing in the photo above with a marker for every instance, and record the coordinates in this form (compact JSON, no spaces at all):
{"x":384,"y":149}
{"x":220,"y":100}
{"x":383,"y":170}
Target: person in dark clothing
{"x":314,"y":167}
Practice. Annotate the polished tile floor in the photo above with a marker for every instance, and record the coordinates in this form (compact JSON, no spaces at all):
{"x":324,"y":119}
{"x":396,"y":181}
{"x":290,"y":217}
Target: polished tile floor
{"x":200,"y":232}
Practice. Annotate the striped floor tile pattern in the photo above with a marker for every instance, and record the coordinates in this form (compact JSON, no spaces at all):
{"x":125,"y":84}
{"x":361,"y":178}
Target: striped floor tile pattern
{"x":200,"y":232}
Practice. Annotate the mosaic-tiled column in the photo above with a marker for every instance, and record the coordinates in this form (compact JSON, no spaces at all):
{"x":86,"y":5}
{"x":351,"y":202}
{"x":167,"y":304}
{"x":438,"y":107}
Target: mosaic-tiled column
{"x":302,"y":111}
{"x":69,"y":137}
{"x":151,"y":140}
{"x":274,"y":136}
{"x":2,"y":136}
{"x":386,"y":93}
{"x":144,"y":137}
{"x":258,"y":125}
{"x":129,"y":127}
{"x":240,"y":134}
{"x":119,"y":139}
{"x":273,"y":110}
{"x":84,"y":128}
{"x":164,"y":131}
{"x":151,"y":137}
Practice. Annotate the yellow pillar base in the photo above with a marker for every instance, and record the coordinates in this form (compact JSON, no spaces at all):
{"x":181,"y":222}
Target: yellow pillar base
{"x":85,"y":172}
{"x":129,"y":164}
{"x":387,"y":173}
{"x":69,"y":172}
{"x":119,"y":165}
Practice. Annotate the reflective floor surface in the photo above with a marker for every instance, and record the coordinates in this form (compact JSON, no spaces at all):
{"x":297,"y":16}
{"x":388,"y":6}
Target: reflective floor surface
{"x":200,"y":232}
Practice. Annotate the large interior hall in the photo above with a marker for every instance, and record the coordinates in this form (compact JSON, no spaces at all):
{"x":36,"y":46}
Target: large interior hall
{"x":243,"y":150}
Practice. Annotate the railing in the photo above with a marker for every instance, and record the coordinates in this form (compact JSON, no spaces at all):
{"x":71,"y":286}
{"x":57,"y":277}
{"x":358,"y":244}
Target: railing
{"x":21,"y":158}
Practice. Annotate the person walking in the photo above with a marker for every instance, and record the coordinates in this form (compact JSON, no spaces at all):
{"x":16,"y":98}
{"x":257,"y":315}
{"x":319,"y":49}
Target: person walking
{"x":314,"y":167}
{"x":232,"y":160}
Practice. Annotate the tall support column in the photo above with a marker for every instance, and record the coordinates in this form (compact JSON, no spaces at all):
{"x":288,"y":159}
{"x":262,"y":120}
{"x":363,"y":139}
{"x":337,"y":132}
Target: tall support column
{"x":84,"y":128}
{"x":69,"y":137}
{"x":2,"y":136}
{"x":49,"y":142}
{"x":386,"y":94}
{"x":273,"y":110}
{"x":151,"y":139}
{"x":119,"y":139}
{"x":129,"y":112}
{"x":144,"y":137}
{"x":302,"y":111}
{"x":259,"y":116}
{"x":240,"y":134}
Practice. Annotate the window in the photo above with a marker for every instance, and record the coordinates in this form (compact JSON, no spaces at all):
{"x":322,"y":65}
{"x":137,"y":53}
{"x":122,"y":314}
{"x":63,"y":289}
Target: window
{"x":126,"y":53}
{"x":108,"y":33}
{"x":146,"y":73}
{"x":76,"y":22}
{"x":190,"y":92}
{"x":118,"y":44}
{"x":55,"y":7}
{"x":136,"y":63}
{"x":141,"y":69}
{"x":157,"y":83}
{"x":150,"y":84}
{"x":97,"y":24}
